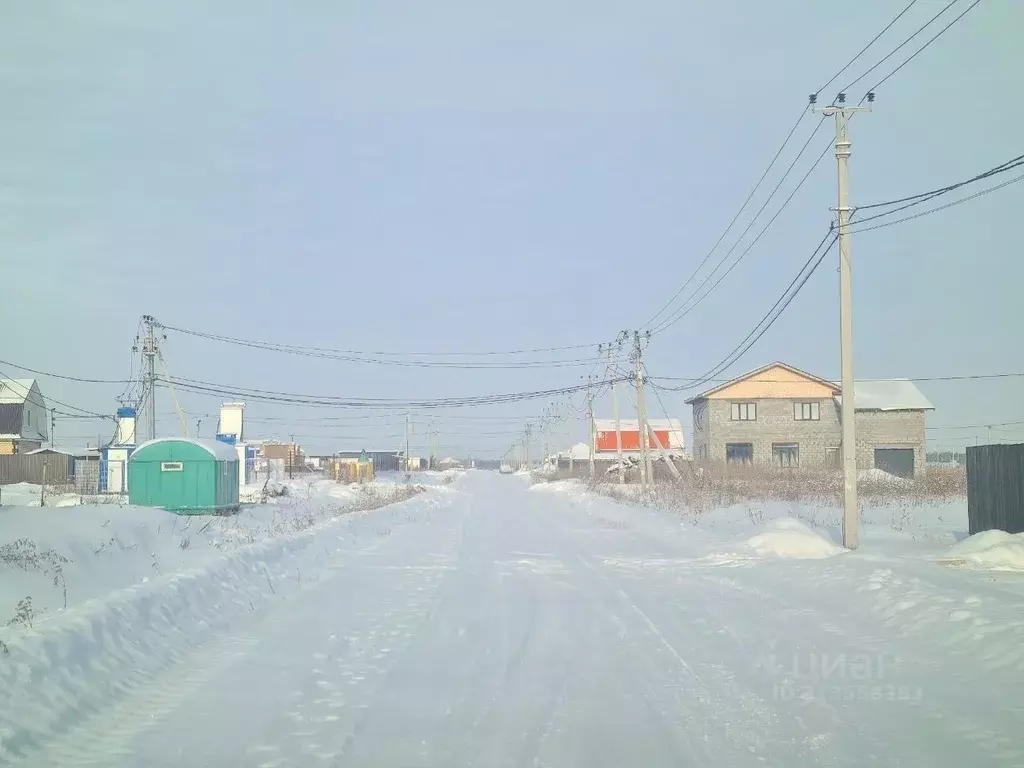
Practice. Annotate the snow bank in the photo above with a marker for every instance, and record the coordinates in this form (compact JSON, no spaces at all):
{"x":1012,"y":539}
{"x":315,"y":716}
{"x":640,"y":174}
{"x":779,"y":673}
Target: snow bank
{"x":995,"y":550}
{"x":99,"y":649}
{"x":792,"y":539}
{"x":558,"y":486}
{"x":28,"y":495}
{"x":881,"y":477}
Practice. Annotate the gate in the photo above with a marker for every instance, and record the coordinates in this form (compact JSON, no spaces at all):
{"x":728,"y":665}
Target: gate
{"x":995,"y":488}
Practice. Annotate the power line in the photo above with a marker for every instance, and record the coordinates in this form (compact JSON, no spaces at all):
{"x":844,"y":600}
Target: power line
{"x":895,"y":50}
{"x":938,"y":208}
{"x":363,"y":356}
{"x":684,"y":310}
{"x":860,"y":53}
{"x":1003,"y":167}
{"x":932,"y":40}
{"x":729,"y":226}
{"x":757,"y":186}
{"x":965,"y":377}
{"x":773,"y":314}
{"x":993,"y":425}
{"x":53,"y":400}
{"x":62,"y":376}
{"x":291,"y":398}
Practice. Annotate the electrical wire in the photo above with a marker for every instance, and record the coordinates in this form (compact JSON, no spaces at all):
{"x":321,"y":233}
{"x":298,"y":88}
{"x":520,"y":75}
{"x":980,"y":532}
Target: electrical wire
{"x":649,"y":323}
{"x":684,"y":310}
{"x":54,"y":400}
{"x":938,"y":208}
{"x":863,"y":50}
{"x":203,"y":387}
{"x":362,"y":356}
{"x":941,"y":32}
{"x":1001,"y":168}
{"x":895,"y":50}
{"x":61,"y":376}
{"x":729,"y":226}
{"x":773,"y":314}
{"x":965,"y":377}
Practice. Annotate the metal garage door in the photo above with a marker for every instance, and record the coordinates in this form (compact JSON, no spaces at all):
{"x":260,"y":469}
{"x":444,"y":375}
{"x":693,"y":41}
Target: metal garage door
{"x":895,"y":461}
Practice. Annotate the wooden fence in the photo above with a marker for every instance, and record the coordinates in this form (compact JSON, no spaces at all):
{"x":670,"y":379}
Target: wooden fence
{"x":53,"y":469}
{"x":995,"y":488}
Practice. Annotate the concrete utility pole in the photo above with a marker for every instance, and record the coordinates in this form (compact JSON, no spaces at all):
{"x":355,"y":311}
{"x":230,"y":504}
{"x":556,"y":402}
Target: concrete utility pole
{"x":851,"y":513}
{"x":615,"y":411}
{"x":149,"y":353}
{"x":407,"y":419}
{"x":641,"y":411}
{"x":590,"y":426}
{"x":526,"y":445}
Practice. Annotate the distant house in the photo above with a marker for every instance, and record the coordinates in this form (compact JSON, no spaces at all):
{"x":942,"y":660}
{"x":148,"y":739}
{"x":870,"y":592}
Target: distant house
{"x":779,"y":415}
{"x":23,"y":416}
{"x":669,"y":432}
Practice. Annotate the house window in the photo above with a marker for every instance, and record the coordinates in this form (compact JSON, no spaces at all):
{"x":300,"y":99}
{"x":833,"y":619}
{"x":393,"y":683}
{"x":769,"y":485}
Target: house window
{"x":786,"y":454}
{"x":28,"y":418}
{"x":833,"y":457}
{"x":807,"y":411}
{"x":744,"y":411}
{"x":739,"y":453}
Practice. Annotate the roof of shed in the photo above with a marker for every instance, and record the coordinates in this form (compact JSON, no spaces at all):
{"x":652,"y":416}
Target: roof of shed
{"x":215,"y":448}
{"x":888,"y":395}
{"x":632,"y":425}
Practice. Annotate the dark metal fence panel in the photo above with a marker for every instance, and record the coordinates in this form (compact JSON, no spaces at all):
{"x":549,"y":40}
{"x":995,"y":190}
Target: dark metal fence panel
{"x":995,"y":488}
{"x":59,"y":469}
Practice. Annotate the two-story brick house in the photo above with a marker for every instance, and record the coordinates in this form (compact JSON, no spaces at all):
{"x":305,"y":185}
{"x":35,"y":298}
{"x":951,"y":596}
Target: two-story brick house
{"x":782,"y":416}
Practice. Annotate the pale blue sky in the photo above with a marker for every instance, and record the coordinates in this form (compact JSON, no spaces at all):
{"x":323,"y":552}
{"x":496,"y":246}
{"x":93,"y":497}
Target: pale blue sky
{"x":481,"y":175}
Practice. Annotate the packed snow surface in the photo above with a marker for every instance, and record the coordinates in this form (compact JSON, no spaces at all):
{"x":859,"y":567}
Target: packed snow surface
{"x":488,"y":623}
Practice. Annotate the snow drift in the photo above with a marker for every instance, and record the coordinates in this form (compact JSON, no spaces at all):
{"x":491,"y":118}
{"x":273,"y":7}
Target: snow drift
{"x":789,"y":538}
{"x":995,"y":550}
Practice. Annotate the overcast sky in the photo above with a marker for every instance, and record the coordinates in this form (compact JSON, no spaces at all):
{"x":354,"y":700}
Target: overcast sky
{"x":450,"y":176}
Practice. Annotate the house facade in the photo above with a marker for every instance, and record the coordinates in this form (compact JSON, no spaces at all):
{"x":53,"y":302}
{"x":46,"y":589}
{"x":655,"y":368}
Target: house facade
{"x":781,"y":416}
{"x":23,"y":416}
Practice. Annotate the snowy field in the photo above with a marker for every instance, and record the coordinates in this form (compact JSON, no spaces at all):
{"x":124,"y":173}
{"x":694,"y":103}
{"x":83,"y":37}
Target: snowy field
{"x":492,"y":622}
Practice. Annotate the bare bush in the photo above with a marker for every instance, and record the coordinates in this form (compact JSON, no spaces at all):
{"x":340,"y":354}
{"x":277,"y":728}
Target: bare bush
{"x":24,"y":554}
{"x":724,"y":485}
{"x":24,"y":615}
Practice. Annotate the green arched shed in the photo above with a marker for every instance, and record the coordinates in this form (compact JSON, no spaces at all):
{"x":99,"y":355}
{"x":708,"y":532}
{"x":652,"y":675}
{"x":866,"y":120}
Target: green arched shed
{"x":191,"y":477}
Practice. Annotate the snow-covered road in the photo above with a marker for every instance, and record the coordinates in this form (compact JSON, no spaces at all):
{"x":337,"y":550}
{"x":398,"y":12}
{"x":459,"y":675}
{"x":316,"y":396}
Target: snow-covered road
{"x":513,"y":627}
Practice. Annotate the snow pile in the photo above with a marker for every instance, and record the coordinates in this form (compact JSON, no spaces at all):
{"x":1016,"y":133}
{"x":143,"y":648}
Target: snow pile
{"x":995,"y":550}
{"x":791,"y":539}
{"x":103,"y":599}
{"x":28,"y":495}
{"x":881,"y":477}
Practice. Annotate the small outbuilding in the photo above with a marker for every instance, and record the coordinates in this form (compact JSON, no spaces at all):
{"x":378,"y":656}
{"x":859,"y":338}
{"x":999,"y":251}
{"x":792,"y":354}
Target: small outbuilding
{"x":190,"y":477}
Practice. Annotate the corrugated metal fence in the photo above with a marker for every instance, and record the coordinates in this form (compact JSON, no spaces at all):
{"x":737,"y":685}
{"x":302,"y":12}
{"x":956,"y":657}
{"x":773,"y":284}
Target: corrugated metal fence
{"x":995,"y":488}
{"x":54,"y":469}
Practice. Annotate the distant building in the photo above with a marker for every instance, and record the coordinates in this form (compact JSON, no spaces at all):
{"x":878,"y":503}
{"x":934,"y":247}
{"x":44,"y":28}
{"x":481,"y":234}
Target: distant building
{"x":782,"y":416}
{"x":668,"y":431}
{"x":290,"y":453}
{"x":383,"y":461}
{"x":23,"y":416}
